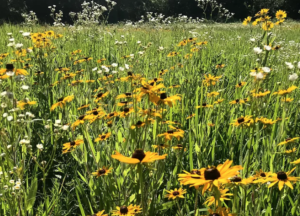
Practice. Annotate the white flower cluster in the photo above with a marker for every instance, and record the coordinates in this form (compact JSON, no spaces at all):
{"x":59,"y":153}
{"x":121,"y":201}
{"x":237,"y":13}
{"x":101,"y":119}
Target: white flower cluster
{"x":92,"y":13}
{"x":57,"y":17}
{"x":30,"y":19}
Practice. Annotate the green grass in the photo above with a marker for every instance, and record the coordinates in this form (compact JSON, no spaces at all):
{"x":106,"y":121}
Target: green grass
{"x":62,"y":184}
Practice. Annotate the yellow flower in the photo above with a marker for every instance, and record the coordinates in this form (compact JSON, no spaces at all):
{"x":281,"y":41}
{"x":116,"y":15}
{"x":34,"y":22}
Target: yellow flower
{"x":219,"y":101}
{"x":287,"y":100}
{"x":236,"y":180}
{"x":26,"y":103}
{"x":288,"y":140}
{"x":205,"y":105}
{"x":280,"y":15}
{"x":177,"y":193}
{"x":260,"y":94}
{"x":62,"y":102}
{"x":172,"y":54}
{"x":211,"y":80}
{"x":102,"y":171}
{"x":164,"y":99}
{"x":291,"y":151}
{"x":243,"y":121}
{"x":241,"y":84}
{"x":100,"y":213}
{"x":267,"y":26}
{"x":102,"y":137}
{"x":282,"y":178}
{"x":211,"y":176}
{"x":247,"y":20}
{"x":224,"y":196}
{"x":182,"y":43}
{"x":11,"y":68}
{"x":139,"y":157}
{"x":212,"y":94}
{"x":237,"y":101}
{"x":139,"y":124}
{"x":70,"y":146}
{"x":78,"y":122}
{"x":220,"y":211}
{"x":285,"y":92}
{"x":127,"y":210}
{"x":191,"y":116}
{"x":219,"y":66}
{"x":160,"y":146}
{"x":100,"y":96}
{"x":262,"y":12}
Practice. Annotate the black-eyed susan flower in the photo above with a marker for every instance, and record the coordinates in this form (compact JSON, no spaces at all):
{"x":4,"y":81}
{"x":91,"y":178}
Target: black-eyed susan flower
{"x":148,"y":88}
{"x":243,"y":121}
{"x":125,"y":95}
{"x":288,"y":140}
{"x":70,"y":146}
{"x":124,"y":103}
{"x":164,"y":99}
{"x":277,"y":47}
{"x":247,"y":20}
{"x":213,"y":94}
{"x":102,"y":137}
{"x":126,"y":111}
{"x":213,"y":176}
{"x":211,"y":124}
{"x":219,"y":101}
{"x":287,"y":100}
{"x":296,"y":162}
{"x":223,"y":196}
{"x":282,"y":178}
{"x":239,"y":181}
{"x":160,"y":146}
{"x":241,"y":84}
{"x":95,"y":114}
{"x":280,"y":15}
{"x":163,"y":71}
{"x":83,"y":106}
{"x":260,"y":94}
{"x":139,"y":124}
{"x":261,"y":175}
{"x":38,"y":73}
{"x":219,"y":66}
{"x":61,"y":102}
{"x":285,"y":92}
{"x":25,"y":103}
{"x":78,"y":122}
{"x":111,"y":115}
{"x":100,"y":96}
{"x":172,"y":54}
{"x":150,"y":113}
{"x":211,"y":80}
{"x":289,"y":151}
{"x":191,"y":116}
{"x":205,"y":105}
{"x":178,"y":147}
{"x":176,"y":193}
{"x":131,"y":210}
{"x":11,"y":70}
{"x":68,"y":76}
{"x":266,"y":122}
{"x":174,"y":86}
{"x":171,"y":133}
{"x":267,"y":26}
{"x":62,"y":69}
{"x":237,"y":101}
{"x":139,"y":157}
{"x":102,"y":171}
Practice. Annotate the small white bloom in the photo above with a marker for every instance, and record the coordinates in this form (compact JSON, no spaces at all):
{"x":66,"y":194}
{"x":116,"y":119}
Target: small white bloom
{"x":65,"y":127}
{"x":3,"y":105}
{"x":114,"y":65}
{"x":11,"y":181}
{"x":10,"y":73}
{"x":58,"y":121}
{"x":40,"y":146}
{"x":160,"y":48}
{"x":11,"y":39}
{"x":26,"y":34}
{"x":17,"y":187}
{"x":5,"y":186}
{"x":257,"y":50}
{"x":10,"y":44}
{"x":25,"y":87}
{"x":24,"y":142}
{"x":299,"y":65}
{"x":127,"y":67}
{"x":5,"y":115}
{"x":268,"y":48}
{"x":141,"y":52}
{"x":131,"y":55}
{"x":139,"y":42}
{"x":266,"y":69}
{"x":121,"y":68}
{"x":9,"y":34}
{"x":9,"y":118}
{"x":293,"y":77}
{"x":252,"y":39}
{"x":289,"y":65}
{"x":253,"y":74}
{"x":99,"y":71}
{"x":47,"y":126}
{"x":259,"y":75}
{"x":94,"y":69}
{"x":21,"y":115}
{"x":114,"y":72}
{"x":18,"y":46}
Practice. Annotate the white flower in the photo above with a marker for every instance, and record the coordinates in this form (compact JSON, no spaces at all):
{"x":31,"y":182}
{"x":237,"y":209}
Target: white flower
{"x":26,"y":34}
{"x":25,"y":87}
{"x":11,"y":39}
{"x":94,"y":69}
{"x":5,"y":115}
{"x":3,"y":94}
{"x":21,"y":115}
{"x":9,"y":146}
{"x":257,"y":50}
{"x":18,"y":46}
{"x":47,"y":126}
{"x":5,"y":186}
{"x":293,"y":77}
{"x":114,"y":72}
{"x":40,"y":146}
{"x":141,"y":52}
{"x":11,"y":181}
{"x":160,"y":48}
{"x":17,"y":187}
{"x":58,"y":121}
{"x":289,"y":65}
{"x":127,"y":67}
{"x":3,"y":105}
{"x":253,"y":74}
{"x":266,"y":69}
{"x":10,"y":44}
{"x":114,"y":65}
{"x":24,"y":141}
{"x":131,"y":55}
{"x":65,"y":127}
{"x":299,"y":65}
{"x":252,"y":39}
{"x":259,"y":75}
{"x":268,"y":48}
{"x":139,"y":42}
{"x":9,"y":118}
{"x":121,"y":68}
{"x":99,"y":71}
{"x":9,"y":34}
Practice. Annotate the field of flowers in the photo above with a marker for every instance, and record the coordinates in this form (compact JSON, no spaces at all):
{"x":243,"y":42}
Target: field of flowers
{"x":146,"y":120}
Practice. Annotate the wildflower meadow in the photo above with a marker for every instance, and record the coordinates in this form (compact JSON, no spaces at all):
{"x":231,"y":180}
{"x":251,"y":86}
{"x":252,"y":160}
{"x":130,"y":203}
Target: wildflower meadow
{"x":189,"y":118}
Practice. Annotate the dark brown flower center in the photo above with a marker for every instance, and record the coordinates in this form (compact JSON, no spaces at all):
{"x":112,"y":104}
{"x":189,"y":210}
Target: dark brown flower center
{"x":99,"y":95}
{"x":126,"y":110}
{"x":129,"y":73}
{"x":95,"y":113}
{"x":236,"y":179}
{"x":139,"y":123}
{"x":128,"y":94}
{"x":262,"y":175}
{"x":124,"y":210}
{"x":214,"y":214}
{"x":179,"y":146}
{"x":72,"y":143}
{"x":103,"y":136}
{"x":176,"y":193}
{"x":101,"y":172}
{"x":155,"y":79}
{"x":237,"y":100}
{"x":111,"y":114}
{"x":170,"y":132}
{"x":282,"y":176}
{"x":139,"y":154}
{"x":152,"y":83}
{"x":211,"y":174}
{"x":10,"y":67}
{"x":240,"y":84}
{"x":240,"y":120}
{"x":81,"y":117}
{"x":124,"y":102}
{"x":60,"y":99}
{"x":204,"y":104}
{"x":163,"y":96}
{"x":288,"y":139}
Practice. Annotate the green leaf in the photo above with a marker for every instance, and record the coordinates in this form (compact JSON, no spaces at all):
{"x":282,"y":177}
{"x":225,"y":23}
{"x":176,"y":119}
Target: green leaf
{"x":31,"y":195}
